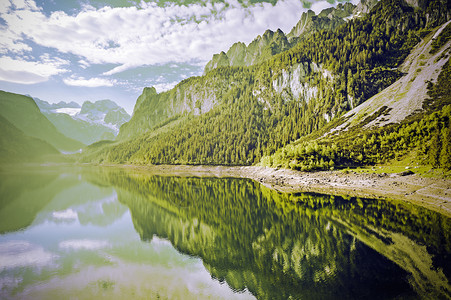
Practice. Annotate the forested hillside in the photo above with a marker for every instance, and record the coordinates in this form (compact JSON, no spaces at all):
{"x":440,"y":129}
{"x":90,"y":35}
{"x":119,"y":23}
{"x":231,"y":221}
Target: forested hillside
{"x":426,"y":133}
{"x":237,"y":115}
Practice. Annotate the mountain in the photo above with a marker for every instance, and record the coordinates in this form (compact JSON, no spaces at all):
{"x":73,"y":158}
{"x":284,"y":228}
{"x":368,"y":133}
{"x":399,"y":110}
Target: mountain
{"x":237,"y":115}
{"x":327,"y":19}
{"x":89,"y":123}
{"x":271,"y":43}
{"x":23,"y":113}
{"x":409,"y":119}
{"x":15,"y":146}
{"x":51,"y":107}
{"x":260,"y":49}
{"x":104,"y":112}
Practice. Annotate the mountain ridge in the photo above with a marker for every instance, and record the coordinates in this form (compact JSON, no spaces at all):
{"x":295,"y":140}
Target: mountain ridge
{"x":272,"y":43}
{"x":88,"y":123}
{"x":241,"y":114}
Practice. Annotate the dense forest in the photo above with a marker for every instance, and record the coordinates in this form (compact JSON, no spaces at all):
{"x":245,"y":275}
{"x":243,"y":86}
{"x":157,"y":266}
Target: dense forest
{"x":429,"y":133}
{"x":249,"y":120}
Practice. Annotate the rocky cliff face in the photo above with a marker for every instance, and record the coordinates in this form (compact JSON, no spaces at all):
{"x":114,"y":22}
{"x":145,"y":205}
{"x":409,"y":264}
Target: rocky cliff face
{"x":199,"y":95}
{"x":365,"y":6}
{"x":196,"y":95}
{"x":292,"y":84}
{"x":103,"y":112}
{"x":89,"y":123}
{"x":222,"y":60}
{"x":408,"y":94}
{"x":299,"y":80}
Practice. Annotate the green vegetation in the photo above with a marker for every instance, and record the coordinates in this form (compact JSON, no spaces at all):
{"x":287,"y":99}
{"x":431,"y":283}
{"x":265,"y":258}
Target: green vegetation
{"x":16,"y":147}
{"x":442,"y":39}
{"x":277,"y":245}
{"x":22,"y":112}
{"x":429,"y":133}
{"x":236,"y":115}
{"x":79,"y":130}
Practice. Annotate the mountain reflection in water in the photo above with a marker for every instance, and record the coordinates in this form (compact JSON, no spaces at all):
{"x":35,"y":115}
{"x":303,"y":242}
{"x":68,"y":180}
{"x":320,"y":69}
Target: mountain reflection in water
{"x":109,"y":232}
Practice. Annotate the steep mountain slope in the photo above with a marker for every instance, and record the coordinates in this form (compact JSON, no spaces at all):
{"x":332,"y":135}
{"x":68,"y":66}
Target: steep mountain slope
{"x":105,"y":112}
{"x":195,"y":95}
{"x":80,"y":130}
{"x":89,"y":123}
{"x":409,"y":118}
{"x":236,"y":115}
{"x":15,"y":146}
{"x":408,"y":94}
{"x":23,"y":113}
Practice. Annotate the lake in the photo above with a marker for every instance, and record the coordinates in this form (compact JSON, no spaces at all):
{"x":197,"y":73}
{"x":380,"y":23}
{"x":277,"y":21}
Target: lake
{"x":92,"y":232}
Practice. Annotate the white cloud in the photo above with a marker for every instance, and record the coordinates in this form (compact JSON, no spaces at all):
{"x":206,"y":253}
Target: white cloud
{"x":67,"y":214}
{"x":30,"y":72}
{"x":83,"y":63}
{"x":148,"y":35}
{"x":24,"y":4}
{"x":15,"y":254}
{"x":92,"y":82}
{"x":4,"y":6}
{"x":10,"y":43}
{"x":162,"y":87}
{"x":317,"y":7}
{"x":84,"y":244}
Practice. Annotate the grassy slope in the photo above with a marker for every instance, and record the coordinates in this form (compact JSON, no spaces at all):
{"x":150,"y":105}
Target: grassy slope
{"x":407,"y":94}
{"x":15,"y":146}
{"x":22,"y":112}
{"x":79,"y":130}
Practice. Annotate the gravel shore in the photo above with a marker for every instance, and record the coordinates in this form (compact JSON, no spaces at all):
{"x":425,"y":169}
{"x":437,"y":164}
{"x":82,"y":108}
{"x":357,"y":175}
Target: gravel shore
{"x":432,"y":193}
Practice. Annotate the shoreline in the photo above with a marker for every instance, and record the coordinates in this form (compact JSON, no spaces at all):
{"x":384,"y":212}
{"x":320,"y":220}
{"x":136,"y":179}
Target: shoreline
{"x":431,"y":193}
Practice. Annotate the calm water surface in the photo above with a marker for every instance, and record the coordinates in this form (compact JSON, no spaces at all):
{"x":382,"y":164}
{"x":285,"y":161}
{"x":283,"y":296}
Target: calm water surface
{"x":86,"y":233}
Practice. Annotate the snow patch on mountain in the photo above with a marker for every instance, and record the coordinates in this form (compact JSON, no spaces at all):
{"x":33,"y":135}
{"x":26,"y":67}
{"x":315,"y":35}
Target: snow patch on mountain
{"x":97,"y":118}
{"x":91,"y":122}
{"x":67,"y":110}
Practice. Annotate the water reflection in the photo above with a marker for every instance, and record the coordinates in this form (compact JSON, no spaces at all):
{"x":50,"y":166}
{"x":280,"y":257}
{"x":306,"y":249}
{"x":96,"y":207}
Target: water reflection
{"x":115,"y":233}
{"x":79,"y":241}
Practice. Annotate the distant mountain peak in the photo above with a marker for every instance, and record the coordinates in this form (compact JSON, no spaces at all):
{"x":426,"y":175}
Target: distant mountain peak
{"x":88,"y":123}
{"x":99,"y":105}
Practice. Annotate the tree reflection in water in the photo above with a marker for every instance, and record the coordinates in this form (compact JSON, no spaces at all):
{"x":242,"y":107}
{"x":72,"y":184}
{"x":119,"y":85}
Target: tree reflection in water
{"x":300,"y":246}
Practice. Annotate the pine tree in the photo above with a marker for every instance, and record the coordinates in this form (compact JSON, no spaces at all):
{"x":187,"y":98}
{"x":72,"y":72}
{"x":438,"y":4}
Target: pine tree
{"x":445,"y":153}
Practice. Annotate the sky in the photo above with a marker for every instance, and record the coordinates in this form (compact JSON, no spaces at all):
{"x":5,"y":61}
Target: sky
{"x":69,"y":50}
